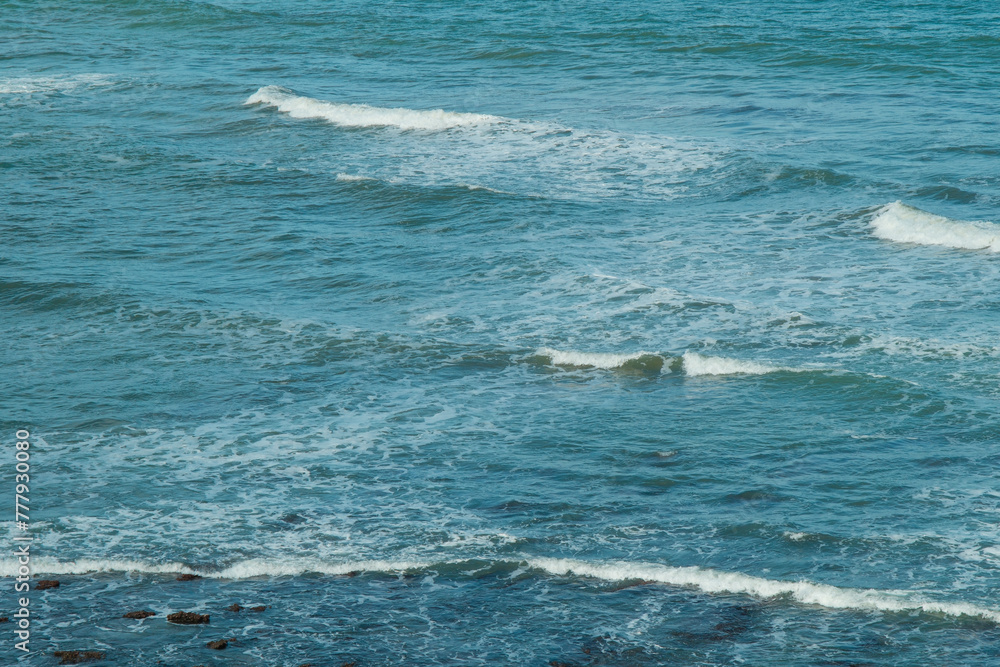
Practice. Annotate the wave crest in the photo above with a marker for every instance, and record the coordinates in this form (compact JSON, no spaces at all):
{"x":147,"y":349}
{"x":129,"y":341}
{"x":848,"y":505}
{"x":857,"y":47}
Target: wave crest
{"x":703,"y":579}
{"x":715,"y":581}
{"x":906,"y":224}
{"x":362,"y":115}
{"x":696,"y":364}
{"x":599,"y":359}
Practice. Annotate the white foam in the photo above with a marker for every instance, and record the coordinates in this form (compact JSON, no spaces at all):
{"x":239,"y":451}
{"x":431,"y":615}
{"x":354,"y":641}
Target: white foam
{"x":49,"y":84}
{"x":362,"y":115}
{"x":594,"y":359}
{"x":696,"y":364}
{"x":354,"y":177}
{"x":46,"y":565}
{"x":715,"y":581}
{"x":473,"y":188}
{"x":906,"y":224}
{"x":707,"y":580}
{"x":529,"y":157}
{"x":268,"y":568}
{"x":247,"y":569}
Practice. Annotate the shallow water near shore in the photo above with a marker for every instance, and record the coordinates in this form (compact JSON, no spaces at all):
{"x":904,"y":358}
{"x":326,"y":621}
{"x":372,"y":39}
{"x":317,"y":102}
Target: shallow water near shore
{"x":604,"y":336}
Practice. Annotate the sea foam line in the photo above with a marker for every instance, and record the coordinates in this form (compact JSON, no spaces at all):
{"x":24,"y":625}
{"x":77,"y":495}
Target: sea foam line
{"x":49,"y":84}
{"x":362,"y":115}
{"x":692,"y":363}
{"x":697,"y":364}
{"x":906,"y":224}
{"x":594,"y":359}
{"x":806,"y":592}
{"x":247,"y":569}
{"x":704,"y":579}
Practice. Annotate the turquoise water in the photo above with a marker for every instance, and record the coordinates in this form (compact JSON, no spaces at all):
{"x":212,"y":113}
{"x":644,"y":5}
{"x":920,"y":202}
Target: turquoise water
{"x":605,"y":335}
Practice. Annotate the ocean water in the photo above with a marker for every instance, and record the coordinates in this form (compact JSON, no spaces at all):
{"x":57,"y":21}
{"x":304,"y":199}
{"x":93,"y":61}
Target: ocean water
{"x":504,"y":334}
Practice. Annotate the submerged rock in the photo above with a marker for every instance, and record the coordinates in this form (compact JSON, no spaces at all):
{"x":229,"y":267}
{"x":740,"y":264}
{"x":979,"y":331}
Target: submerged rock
{"x":187,"y":618}
{"x":76,"y":657}
{"x":46,"y":584}
{"x":258,"y":609}
{"x":188,"y":577}
{"x":218,"y":645}
{"x":4,"y":619}
{"x":234,"y":607}
{"x":139,"y":614}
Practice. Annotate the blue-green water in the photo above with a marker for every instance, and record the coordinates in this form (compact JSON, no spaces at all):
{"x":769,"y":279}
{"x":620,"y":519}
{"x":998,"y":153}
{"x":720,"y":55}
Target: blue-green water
{"x":576,"y":333}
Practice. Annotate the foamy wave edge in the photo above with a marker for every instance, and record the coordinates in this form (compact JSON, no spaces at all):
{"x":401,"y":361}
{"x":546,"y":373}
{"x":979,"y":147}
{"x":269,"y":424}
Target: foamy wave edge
{"x":706,"y":580}
{"x":592,"y":359}
{"x":906,"y":224}
{"x":362,"y":115}
{"x":714,"y":581}
{"x":247,"y":569}
{"x":692,"y":363}
{"x":698,"y":364}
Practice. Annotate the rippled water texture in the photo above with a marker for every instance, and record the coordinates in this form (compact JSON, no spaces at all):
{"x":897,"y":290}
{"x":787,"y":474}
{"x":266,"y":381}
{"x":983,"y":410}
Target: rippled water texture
{"x":470,"y":334}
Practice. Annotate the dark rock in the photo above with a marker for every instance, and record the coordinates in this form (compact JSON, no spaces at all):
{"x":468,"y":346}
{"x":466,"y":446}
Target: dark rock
{"x":258,"y":609}
{"x":234,"y":607}
{"x":292,"y":518}
{"x":4,"y":619}
{"x":139,"y":614}
{"x":46,"y":584}
{"x":218,"y":645}
{"x":353,"y":573}
{"x":349,"y":664}
{"x":188,"y":577}
{"x":76,"y":657}
{"x":187,"y":618}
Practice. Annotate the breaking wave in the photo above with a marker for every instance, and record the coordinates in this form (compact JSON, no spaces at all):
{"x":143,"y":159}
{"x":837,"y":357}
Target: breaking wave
{"x":247,"y":569}
{"x":696,"y":364}
{"x":906,"y":224}
{"x":362,"y":115}
{"x":692,"y":363}
{"x":703,"y":579}
{"x":806,"y":592}
{"x":595,"y":359}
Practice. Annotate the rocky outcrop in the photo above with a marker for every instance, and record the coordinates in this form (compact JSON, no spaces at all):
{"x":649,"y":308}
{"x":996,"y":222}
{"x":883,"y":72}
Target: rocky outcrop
{"x":76,"y":657}
{"x":139,"y":614}
{"x":218,"y":645}
{"x":46,"y":584}
{"x":188,"y":577}
{"x":187,"y":618}
{"x":234,"y":607}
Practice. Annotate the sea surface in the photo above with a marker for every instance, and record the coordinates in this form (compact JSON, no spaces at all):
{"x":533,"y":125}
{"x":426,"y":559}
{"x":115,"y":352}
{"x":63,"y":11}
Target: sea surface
{"x":515,"y":333}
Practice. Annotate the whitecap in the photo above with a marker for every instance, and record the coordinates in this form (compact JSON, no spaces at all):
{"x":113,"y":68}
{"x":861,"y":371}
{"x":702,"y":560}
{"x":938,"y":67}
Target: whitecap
{"x":593,"y":359}
{"x":906,"y":224}
{"x":806,"y":592}
{"x":696,"y":364}
{"x":703,"y":579}
{"x":362,"y":115}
